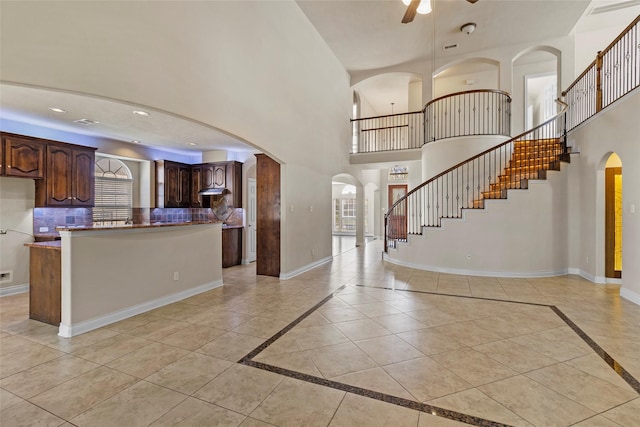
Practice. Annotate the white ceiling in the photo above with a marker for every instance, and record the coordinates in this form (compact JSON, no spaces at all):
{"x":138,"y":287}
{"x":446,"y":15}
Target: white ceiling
{"x":366,"y":35}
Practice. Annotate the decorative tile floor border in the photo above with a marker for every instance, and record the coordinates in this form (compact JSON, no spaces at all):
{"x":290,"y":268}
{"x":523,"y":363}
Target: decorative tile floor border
{"x":411,"y":404}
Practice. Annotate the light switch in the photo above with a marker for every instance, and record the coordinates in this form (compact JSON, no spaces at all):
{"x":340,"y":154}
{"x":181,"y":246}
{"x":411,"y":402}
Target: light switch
{"x":632,"y":208}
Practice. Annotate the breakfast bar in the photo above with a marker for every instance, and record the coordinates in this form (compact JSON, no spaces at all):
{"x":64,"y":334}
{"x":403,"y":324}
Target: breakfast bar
{"x":111,"y":273}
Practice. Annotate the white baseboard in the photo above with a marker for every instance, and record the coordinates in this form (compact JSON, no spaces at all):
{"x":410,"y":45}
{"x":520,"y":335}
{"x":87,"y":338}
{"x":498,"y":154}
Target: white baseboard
{"x":304,"y":269}
{"x":629,"y":295}
{"x":68,"y":331}
{"x":13,"y":290}
{"x":463,"y":272}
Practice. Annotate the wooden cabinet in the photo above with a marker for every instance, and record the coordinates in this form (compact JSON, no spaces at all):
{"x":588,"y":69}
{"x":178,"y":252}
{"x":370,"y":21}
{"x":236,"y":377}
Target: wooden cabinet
{"x":207,"y":175}
{"x":22,"y":156}
{"x":233,"y":187}
{"x":231,"y":246}
{"x":196,"y":186}
{"x":219,"y":175}
{"x":268,"y":222}
{"x":173,"y":184}
{"x":69,"y":177}
{"x":45,"y":284}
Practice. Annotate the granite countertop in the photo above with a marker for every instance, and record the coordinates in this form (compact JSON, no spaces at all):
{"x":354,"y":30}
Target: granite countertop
{"x":56,"y":244}
{"x":131,"y":226}
{"x":232,"y":226}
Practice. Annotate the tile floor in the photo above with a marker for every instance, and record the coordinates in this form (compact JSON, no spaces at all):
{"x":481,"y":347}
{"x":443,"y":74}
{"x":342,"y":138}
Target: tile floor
{"x":357,"y":342}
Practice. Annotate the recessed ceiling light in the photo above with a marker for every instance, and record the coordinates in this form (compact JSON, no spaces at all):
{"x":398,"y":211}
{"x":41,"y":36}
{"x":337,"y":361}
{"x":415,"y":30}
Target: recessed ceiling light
{"x":135,"y":141}
{"x":57,"y":110}
{"x":86,"y":122}
{"x":193,"y":144}
{"x":141,"y":113}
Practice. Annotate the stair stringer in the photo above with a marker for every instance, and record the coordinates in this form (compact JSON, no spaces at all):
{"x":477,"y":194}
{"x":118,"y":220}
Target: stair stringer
{"x":525,"y":235}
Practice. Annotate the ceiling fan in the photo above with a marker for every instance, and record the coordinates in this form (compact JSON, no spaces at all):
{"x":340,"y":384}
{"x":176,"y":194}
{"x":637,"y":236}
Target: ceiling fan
{"x":415,"y":6}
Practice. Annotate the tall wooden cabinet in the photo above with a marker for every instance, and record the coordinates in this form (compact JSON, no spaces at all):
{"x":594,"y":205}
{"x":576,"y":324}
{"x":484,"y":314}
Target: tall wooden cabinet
{"x":69,"y":177}
{"x":268,"y":222}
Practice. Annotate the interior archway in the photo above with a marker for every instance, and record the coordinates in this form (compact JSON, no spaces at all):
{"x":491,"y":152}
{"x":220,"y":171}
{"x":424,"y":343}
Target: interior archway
{"x":613,"y":217}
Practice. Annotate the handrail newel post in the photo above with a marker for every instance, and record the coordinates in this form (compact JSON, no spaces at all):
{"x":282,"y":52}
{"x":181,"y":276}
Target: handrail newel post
{"x":599,"y":81}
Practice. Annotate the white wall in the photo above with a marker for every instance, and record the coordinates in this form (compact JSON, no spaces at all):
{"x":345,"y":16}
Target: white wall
{"x":520,"y":70}
{"x":17,"y":199}
{"x":220,"y":63}
{"x":458,"y":83}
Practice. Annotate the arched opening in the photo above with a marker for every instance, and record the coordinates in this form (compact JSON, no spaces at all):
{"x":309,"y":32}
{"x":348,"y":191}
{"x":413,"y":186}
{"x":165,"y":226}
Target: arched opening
{"x":390,"y":93}
{"x":613,"y":217}
{"x":535,"y":79}
{"x":349,"y":212}
{"x":468,"y":74}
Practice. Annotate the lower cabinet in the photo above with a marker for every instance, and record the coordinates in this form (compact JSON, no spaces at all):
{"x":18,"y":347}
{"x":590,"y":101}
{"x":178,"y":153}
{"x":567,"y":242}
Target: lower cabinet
{"x":231,"y":246}
{"x":45,"y":285}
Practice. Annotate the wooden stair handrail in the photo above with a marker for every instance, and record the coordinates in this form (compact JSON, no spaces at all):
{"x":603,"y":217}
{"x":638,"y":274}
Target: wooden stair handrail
{"x":451,"y":95}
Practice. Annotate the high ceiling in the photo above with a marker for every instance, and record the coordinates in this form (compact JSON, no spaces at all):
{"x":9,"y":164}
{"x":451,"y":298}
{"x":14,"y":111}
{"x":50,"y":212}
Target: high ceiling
{"x":366,"y":36}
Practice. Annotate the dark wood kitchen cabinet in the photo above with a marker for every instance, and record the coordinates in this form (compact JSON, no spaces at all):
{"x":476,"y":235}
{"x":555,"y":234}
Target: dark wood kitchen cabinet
{"x":45,"y":280}
{"x":233,"y":187}
{"x":173,"y":184}
{"x":231,"y":246}
{"x":69,"y":177}
{"x":22,"y":156}
{"x":196,"y":186}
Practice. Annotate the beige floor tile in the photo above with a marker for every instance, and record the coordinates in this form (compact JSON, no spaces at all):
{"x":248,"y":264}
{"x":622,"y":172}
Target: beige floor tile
{"x":594,"y":365}
{"x":314,"y":319}
{"x":110,"y":349}
{"x":83,"y":392}
{"x":345,"y":314}
{"x":297,"y":362}
{"x":468,"y":333}
{"x":14,"y":343}
{"x":430,"y":341}
{"x":474,"y":402}
{"x":148,"y":359}
{"x":554,"y":343}
{"x":25,"y":414}
{"x":240,"y":388}
{"x":376,"y":379}
{"x":69,"y":345}
{"x":285,"y":344}
{"x":428,"y":420}
{"x":45,"y":376}
{"x":131,"y":323}
{"x":474,"y":367}
{"x":377,"y":309}
{"x":425,"y":379}
{"x":597,"y":421}
{"x":536,"y":403}
{"x":515,"y":356}
{"x":189,"y":373}
{"x":296,"y":403}
{"x":361,"y":329}
{"x":432,"y":317}
{"x":26,"y":358}
{"x":340,"y":359}
{"x":356,"y":298}
{"x":158,"y":329}
{"x":8,"y":399}
{"x":261,"y":327}
{"x":625,"y":415}
{"x":231,"y":346}
{"x":317,"y":336}
{"x":388,"y":349}
{"x":358,"y":411}
{"x":588,"y":390}
{"x":252,"y":422}
{"x":194,"y":412}
{"x":398,"y":323}
{"x":192,"y":337}
{"x":139,"y":405}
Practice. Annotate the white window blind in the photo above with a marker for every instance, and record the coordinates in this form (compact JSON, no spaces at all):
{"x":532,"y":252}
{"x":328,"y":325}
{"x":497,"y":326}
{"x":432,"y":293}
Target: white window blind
{"x":114,"y":191}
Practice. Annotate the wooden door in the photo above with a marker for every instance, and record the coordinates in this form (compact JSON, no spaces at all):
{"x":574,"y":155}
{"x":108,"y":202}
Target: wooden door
{"x":219,"y":175}
{"x":613,"y":222}
{"x":184,"y":183}
{"x":171,"y":185}
{"x":397,"y":220}
{"x":24,"y":157}
{"x":196,"y":185}
{"x":207,"y":176}
{"x":83,"y":178}
{"x":59,"y":179}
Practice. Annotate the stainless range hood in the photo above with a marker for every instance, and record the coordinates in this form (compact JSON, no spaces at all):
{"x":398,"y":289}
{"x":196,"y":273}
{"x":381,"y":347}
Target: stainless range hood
{"x":211,"y":191}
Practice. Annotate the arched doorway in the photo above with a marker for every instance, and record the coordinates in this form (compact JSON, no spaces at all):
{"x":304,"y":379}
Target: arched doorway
{"x":613,"y":217}
{"x":348,"y":213}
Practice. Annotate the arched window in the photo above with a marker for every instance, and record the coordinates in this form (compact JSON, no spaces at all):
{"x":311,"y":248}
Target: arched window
{"x":114,"y":191}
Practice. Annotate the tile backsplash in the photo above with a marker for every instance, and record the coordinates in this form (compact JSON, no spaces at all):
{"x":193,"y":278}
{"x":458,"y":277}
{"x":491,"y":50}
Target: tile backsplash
{"x":45,"y":220}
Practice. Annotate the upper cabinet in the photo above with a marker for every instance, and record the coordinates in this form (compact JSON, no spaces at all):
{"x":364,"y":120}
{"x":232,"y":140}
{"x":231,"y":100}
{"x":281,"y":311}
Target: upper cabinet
{"x":233,"y":185}
{"x":22,"y":156}
{"x":173,"y":184}
{"x":69,"y":178}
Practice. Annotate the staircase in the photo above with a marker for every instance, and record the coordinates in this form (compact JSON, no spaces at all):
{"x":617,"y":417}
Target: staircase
{"x":488,"y":175}
{"x":530,"y":159}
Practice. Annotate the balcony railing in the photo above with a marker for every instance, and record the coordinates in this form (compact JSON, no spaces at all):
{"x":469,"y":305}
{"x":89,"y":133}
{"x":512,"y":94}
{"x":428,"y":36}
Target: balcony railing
{"x":474,"y":112}
{"x":386,"y":133}
{"x":614,"y":73}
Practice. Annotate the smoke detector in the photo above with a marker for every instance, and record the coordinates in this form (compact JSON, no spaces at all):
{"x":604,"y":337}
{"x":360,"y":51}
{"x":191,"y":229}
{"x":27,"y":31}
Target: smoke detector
{"x":468,"y":28}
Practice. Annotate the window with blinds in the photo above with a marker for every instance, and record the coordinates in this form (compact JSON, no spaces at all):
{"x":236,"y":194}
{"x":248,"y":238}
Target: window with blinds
{"x":114,"y":191}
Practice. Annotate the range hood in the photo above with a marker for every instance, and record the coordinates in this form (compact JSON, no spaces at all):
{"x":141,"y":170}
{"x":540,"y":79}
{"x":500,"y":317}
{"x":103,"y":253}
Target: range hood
{"x":211,"y":191}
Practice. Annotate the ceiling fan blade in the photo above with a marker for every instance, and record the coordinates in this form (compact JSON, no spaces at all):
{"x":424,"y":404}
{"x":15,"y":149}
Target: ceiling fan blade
{"x":472,"y":1}
{"x":411,"y":11}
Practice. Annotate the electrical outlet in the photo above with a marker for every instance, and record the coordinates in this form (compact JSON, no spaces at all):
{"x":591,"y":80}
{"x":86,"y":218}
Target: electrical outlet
{"x":176,"y":275}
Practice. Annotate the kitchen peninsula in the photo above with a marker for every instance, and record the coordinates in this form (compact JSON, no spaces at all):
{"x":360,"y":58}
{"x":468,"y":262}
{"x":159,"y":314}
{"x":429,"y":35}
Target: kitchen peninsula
{"x":112,"y":273}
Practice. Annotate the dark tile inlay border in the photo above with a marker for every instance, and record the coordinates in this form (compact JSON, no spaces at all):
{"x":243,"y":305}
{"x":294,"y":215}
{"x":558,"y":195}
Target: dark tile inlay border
{"x":406,"y":403}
